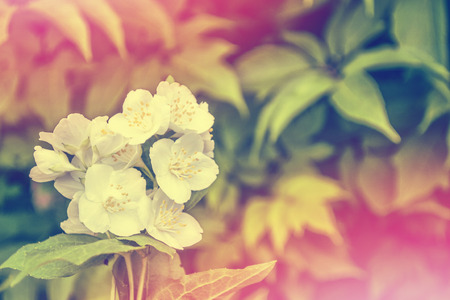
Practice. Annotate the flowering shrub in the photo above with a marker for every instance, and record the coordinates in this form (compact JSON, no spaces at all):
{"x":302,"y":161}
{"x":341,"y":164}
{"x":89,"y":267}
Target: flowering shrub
{"x":127,"y":200}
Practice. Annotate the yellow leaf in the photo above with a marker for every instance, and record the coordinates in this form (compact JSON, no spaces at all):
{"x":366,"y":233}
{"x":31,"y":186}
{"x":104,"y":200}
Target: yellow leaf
{"x":213,"y":283}
{"x":201,"y":66}
{"x":108,"y":88}
{"x":6,"y":12}
{"x":279,"y":224}
{"x":146,"y":20}
{"x":101,"y":13}
{"x":47,"y":91}
{"x":66,"y":16}
{"x":147,"y":74}
{"x":255,"y":221}
{"x":419,"y":168}
{"x":309,"y":188}
{"x":376,"y":180}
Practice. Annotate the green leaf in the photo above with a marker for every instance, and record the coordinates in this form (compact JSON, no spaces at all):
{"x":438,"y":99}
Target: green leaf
{"x":350,"y":29}
{"x":438,"y":104}
{"x":358,"y":99}
{"x":387,"y":56}
{"x":422,"y":25}
{"x":370,"y":7}
{"x":296,"y":96}
{"x":67,"y":18}
{"x":266,"y":67}
{"x":309,"y":44}
{"x":213,"y":284}
{"x":292,"y":99}
{"x":145,"y":240}
{"x":195,"y":198}
{"x":63,"y":255}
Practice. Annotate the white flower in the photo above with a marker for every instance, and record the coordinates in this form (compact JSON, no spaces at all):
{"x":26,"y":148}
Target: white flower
{"x":70,"y":135}
{"x":181,"y":167}
{"x":73,"y":224}
{"x":69,"y":184}
{"x":208,"y":142}
{"x":103,"y":140}
{"x":165,"y":221}
{"x":143,"y":116}
{"x":127,"y":157}
{"x":185,"y":113}
{"x":50,"y":164}
{"x":111,"y":200}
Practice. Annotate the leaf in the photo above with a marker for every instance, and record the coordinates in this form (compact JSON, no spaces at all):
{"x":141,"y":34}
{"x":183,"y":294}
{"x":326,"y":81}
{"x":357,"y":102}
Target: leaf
{"x":254,"y":224}
{"x":6,"y":12}
{"x":298,"y":202}
{"x":438,"y":103}
{"x":418,"y":166}
{"x":309,"y":44}
{"x":67,"y":18}
{"x":47,"y":92}
{"x":195,"y":198}
{"x":101,"y":13}
{"x":297,"y":95}
{"x":213,"y":284}
{"x":268,"y":66}
{"x":145,"y":21}
{"x":422,"y":25}
{"x":323,"y":259}
{"x":108,"y":88}
{"x":376,"y":180}
{"x":388,"y":57}
{"x":62,"y":255}
{"x":293,"y":98}
{"x":201,"y":66}
{"x":358,"y":99}
{"x":350,"y":28}
{"x":145,"y":240}
{"x":223,"y":196}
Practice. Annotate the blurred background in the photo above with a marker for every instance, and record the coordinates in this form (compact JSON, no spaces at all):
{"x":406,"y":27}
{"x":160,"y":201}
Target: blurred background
{"x":331,"y":133}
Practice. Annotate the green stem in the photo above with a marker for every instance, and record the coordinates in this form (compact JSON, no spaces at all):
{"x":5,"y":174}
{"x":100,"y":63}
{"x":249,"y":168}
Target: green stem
{"x":142,"y":277}
{"x":127,"y":258}
{"x":113,"y":289}
{"x":147,"y":172}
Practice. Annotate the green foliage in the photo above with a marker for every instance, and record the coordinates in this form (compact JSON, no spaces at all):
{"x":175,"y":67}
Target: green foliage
{"x":65,"y":255}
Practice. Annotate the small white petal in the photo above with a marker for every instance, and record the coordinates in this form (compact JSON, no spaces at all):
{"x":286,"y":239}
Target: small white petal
{"x":67,"y":185}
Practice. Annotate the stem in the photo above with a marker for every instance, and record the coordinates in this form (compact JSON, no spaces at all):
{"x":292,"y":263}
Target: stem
{"x":127,"y":258}
{"x":142,"y":278}
{"x":113,"y":289}
{"x":149,"y":174}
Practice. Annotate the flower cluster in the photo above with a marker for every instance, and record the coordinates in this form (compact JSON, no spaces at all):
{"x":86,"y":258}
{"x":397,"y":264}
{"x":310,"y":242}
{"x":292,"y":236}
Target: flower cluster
{"x":99,"y":165}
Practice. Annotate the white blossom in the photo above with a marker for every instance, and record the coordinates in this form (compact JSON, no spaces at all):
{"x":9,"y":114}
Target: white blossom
{"x":50,"y":164}
{"x":165,"y":221}
{"x":142,"y":117}
{"x":70,"y":135}
{"x":181,"y":167}
{"x":186,"y":115}
{"x":111,"y":200}
{"x":73,"y":224}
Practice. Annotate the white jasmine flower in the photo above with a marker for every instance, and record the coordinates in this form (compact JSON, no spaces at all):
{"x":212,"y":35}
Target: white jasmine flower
{"x":127,"y":157}
{"x":185,"y":113}
{"x":165,"y":221}
{"x":73,"y":224}
{"x":103,"y":140}
{"x":208,"y":143}
{"x":51,"y":162}
{"x":143,"y":116}
{"x":111,"y":200}
{"x":38,"y":176}
{"x":181,"y":167}
{"x":69,"y":184}
{"x":70,"y":135}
